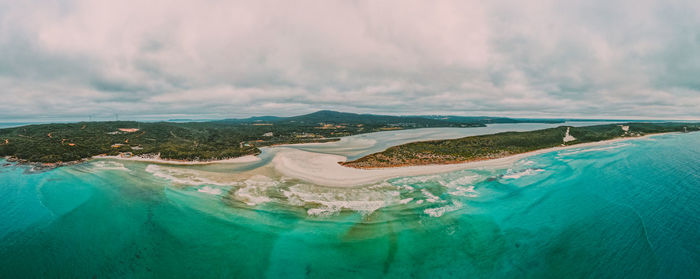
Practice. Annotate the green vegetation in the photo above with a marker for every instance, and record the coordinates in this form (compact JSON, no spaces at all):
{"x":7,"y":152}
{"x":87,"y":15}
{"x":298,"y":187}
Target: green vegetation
{"x":508,"y":143}
{"x":213,"y":140}
{"x":69,"y":142}
{"x":53,"y":143}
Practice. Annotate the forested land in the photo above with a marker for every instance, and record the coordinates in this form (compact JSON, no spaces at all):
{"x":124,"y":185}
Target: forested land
{"x":211,"y":140}
{"x":504,"y":144}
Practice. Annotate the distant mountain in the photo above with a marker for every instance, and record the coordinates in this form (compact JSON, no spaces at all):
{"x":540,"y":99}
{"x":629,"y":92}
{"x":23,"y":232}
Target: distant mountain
{"x":489,"y":119}
{"x":328,"y":116}
{"x":335,"y":117}
{"x":183,"y":120}
{"x":251,"y":119}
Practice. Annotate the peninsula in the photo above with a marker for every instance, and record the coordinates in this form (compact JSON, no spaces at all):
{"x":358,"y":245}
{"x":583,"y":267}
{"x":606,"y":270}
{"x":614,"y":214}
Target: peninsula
{"x":477,"y":148}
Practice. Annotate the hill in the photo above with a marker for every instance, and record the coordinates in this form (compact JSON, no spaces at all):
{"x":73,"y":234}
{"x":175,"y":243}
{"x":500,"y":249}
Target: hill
{"x":335,"y":117}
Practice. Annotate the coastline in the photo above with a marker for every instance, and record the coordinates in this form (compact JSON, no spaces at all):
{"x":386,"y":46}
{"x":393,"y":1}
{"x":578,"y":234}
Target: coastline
{"x":158,"y":160}
{"x":325,"y":170}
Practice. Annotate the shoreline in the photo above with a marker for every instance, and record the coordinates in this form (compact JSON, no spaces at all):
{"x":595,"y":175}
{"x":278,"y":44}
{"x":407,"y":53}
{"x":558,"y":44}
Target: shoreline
{"x":324,"y":169}
{"x":157,"y":159}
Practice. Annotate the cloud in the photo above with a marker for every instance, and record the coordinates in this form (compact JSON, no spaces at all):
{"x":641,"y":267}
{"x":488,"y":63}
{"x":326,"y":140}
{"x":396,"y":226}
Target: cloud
{"x":214,"y":59}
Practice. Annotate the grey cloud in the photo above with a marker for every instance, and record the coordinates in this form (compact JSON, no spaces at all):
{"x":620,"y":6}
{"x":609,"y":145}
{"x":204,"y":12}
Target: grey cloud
{"x":159,"y":59}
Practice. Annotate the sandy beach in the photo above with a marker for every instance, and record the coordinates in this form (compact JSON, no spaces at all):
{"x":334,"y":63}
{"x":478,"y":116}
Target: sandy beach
{"x":158,"y":160}
{"x":323,"y":169}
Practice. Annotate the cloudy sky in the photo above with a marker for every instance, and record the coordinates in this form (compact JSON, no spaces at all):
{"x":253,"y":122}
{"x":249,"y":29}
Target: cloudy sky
{"x":216,"y":59}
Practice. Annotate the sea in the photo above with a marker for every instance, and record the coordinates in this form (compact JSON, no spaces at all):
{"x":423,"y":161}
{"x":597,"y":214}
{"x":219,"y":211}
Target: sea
{"x":628,"y":209}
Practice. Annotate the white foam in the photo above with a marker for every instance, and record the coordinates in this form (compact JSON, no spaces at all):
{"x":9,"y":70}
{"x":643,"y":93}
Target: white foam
{"x":439,"y":211}
{"x":429,"y":196}
{"x":108,"y":165}
{"x":510,"y":174}
{"x":577,"y":151}
{"x":253,"y":191}
{"x":405,"y":201}
{"x":417,"y":179}
{"x":182,"y":176}
{"x":321,"y":211}
{"x":460,"y":181}
{"x":464,"y":192}
{"x":330,"y":201}
{"x":210,"y":190}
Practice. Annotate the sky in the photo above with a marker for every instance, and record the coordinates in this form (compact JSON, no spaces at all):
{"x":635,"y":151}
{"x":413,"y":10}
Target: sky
{"x":208,"y":59}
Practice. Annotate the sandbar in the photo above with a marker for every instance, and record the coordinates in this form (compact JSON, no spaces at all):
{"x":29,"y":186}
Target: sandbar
{"x":323,"y":169}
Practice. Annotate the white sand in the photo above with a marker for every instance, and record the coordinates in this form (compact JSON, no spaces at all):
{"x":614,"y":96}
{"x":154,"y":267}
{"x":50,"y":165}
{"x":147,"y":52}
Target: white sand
{"x":568,"y":137}
{"x":157,"y":159}
{"x":323,"y":169}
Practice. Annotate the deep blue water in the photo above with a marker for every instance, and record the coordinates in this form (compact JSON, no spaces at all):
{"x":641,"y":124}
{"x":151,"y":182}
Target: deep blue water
{"x":624,"y":210}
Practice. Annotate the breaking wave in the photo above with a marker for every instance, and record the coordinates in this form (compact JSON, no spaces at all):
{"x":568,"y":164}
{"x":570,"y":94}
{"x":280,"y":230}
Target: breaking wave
{"x":182,"y":176}
{"x":433,"y":195}
{"x":327,"y":201}
{"x":439,"y":211}
{"x":210,"y":190}
{"x":107,"y":165}
{"x":592,"y":149}
{"x":512,"y":174}
{"x":254,"y":191}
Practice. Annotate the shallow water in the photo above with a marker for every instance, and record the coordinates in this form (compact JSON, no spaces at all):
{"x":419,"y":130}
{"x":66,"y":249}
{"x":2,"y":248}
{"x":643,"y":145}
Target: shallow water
{"x":628,"y":209}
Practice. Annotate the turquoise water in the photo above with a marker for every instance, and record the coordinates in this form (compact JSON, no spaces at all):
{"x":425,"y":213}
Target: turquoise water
{"x":624,"y":210}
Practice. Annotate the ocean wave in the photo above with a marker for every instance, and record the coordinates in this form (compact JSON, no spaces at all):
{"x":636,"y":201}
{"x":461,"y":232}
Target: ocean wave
{"x":406,"y":200}
{"x":325,"y":201}
{"x":592,"y":149}
{"x":464,"y":192}
{"x":254,"y":191}
{"x":459,"y":181}
{"x":439,"y":211}
{"x":511,"y":174}
{"x":182,"y":176}
{"x":417,"y":179}
{"x":429,"y":196}
{"x":210,"y":190}
{"x":449,"y":180}
{"x":107,"y":165}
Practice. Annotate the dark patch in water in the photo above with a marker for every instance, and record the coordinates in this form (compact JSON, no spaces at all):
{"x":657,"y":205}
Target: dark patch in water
{"x":393,"y":248}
